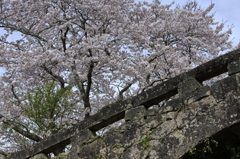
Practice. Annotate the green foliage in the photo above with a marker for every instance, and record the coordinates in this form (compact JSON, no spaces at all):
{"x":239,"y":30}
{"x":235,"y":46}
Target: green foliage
{"x":47,"y":106}
{"x":234,"y":151}
{"x":150,"y":137}
{"x":117,"y":146}
{"x":99,"y":156}
{"x":61,"y":155}
{"x":145,"y":141}
{"x":209,"y":143}
{"x":135,"y":118}
{"x":211,"y":149}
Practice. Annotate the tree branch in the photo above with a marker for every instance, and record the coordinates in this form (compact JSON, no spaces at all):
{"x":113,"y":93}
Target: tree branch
{"x":87,"y":93}
{"x":63,"y":39}
{"x":120,"y":96}
{"x":27,"y":134}
{"x":3,"y":153}
{"x":15,"y":95}
{"x":89,"y":77}
{"x":59,"y":78}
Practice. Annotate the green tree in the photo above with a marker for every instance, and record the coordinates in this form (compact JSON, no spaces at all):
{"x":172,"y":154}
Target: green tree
{"x":47,"y":109}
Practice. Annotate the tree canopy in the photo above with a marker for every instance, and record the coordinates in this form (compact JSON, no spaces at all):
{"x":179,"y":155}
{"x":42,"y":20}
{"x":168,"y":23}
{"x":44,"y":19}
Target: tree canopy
{"x":75,"y":57}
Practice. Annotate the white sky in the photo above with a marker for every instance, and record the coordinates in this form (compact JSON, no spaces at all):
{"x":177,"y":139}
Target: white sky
{"x":225,"y":10}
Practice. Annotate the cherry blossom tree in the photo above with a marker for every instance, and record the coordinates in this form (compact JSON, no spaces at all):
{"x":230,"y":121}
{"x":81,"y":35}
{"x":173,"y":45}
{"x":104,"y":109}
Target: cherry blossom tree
{"x":101,"y":50}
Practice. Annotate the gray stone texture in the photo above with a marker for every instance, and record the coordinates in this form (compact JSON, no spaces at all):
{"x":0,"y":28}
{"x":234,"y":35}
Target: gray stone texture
{"x":234,"y":67}
{"x":174,"y":129}
{"x":39,"y":156}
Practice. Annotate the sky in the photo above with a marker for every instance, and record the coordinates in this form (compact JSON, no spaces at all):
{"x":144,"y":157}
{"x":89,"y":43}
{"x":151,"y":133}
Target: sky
{"x":225,"y":11}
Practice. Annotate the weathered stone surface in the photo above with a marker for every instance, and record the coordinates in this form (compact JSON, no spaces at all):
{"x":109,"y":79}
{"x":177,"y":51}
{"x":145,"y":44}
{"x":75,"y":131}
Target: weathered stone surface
{"x":172,"y":105}
{"x":83,"y":136}
{"x":177,"y":132}
{"x":151,"y":112}
{"x":135,"y":113}
{"x":188,"y":86}
{"x":62,"y":155}
{"x":184,"y":117}
{"x":40,"y":156}
{"x":197,"y":95}
{"x":234,"y":67}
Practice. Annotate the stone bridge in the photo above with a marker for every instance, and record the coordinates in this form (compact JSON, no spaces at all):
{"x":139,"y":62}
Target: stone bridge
{"x":198,"y":119}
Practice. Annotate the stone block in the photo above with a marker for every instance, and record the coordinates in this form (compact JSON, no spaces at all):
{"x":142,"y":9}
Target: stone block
{"x":197,"y":95}
{"x":151,"y":112}
{"x":233,"y":67}
{"x":83,"y":136}
{"x":172,"y":105}
{"x":188,"y":86}
{"x":40,"y":156}
{"x":135,"y":113}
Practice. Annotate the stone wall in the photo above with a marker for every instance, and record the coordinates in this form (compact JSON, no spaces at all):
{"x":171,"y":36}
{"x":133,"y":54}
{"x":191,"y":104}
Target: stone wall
{"x":170,"y":131}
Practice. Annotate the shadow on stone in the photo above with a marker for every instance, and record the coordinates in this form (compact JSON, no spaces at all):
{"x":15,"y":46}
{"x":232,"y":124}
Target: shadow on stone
{"x":223,"y":145}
